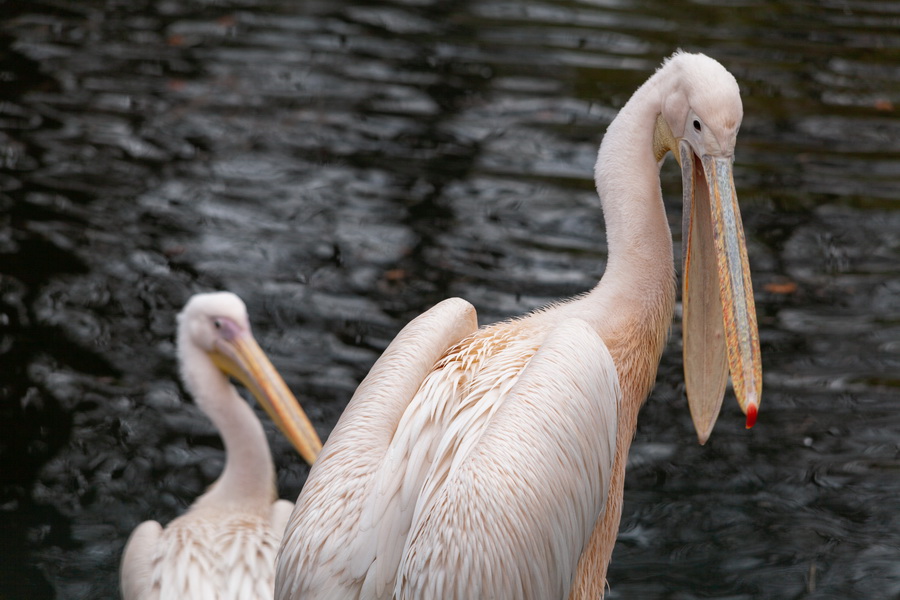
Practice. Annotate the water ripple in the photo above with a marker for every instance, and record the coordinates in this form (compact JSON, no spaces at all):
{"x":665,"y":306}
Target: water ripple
{"x":344,"y":165}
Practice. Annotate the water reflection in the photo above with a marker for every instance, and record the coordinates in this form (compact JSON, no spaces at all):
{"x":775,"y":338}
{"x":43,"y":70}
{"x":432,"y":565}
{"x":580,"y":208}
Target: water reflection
{"x":343,"y":166}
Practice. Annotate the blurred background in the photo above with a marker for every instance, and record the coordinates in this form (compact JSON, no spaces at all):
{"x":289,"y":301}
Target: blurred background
{"x":344,"y":165}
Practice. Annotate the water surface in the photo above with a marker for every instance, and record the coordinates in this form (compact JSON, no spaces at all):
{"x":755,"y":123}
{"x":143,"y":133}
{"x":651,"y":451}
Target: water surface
{"x":343,"y":166}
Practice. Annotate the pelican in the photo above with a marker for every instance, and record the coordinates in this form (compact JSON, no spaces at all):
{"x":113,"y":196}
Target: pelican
{"x":224,"y":546}
{"x":489,"y":463}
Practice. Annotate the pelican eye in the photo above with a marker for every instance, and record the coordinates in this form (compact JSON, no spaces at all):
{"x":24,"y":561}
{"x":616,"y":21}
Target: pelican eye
{"x":697,"y":125}
{"x":227,"y":329}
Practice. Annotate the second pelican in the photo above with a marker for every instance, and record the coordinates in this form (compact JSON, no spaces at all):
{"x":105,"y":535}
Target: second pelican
{"x":224,"y":546}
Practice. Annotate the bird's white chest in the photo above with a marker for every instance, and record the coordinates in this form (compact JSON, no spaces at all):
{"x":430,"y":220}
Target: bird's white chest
{"x":223,"y":556}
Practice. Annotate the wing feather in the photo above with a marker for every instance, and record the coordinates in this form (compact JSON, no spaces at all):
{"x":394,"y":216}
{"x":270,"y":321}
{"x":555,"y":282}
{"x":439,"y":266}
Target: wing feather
{"x":517,"y":513}
{"x":137,"y":560}
{"x":332,"y":540}
{"x":200,"y":556}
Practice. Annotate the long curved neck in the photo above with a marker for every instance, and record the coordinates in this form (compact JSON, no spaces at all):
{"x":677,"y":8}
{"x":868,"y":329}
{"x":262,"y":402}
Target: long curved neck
{"x":636,"y":295}
{"x":632,"y":305}
{"x":249,"y":475}
{"x":627,"y":176}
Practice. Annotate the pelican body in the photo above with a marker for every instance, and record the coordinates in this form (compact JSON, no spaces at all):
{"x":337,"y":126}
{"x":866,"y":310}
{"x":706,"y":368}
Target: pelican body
{"x":489,"y":463}
{"x":224,"y":547}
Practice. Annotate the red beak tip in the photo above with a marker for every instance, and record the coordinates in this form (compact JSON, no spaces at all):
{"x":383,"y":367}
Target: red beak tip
{"x":751,"y":414}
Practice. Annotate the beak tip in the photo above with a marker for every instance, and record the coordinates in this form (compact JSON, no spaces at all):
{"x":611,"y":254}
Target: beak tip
{"x":704,"y":426}
{"x":752,"y":409}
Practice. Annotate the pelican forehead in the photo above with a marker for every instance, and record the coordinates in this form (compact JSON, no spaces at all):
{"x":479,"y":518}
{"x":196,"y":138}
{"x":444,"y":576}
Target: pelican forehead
{"x":712,"y":91}
{"x":217,"y":304}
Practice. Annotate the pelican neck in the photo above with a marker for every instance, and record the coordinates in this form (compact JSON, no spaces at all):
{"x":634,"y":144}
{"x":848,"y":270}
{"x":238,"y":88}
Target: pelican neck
{"x":249,"y":473}
{"x":627,"y":176}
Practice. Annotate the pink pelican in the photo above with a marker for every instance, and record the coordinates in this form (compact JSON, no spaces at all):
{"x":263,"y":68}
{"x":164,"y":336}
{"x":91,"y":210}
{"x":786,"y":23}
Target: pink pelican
{"x":224,"y":546}
{"x":489,"y":462}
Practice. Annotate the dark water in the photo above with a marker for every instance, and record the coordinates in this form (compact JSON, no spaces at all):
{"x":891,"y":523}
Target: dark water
{"x":342,"y":166}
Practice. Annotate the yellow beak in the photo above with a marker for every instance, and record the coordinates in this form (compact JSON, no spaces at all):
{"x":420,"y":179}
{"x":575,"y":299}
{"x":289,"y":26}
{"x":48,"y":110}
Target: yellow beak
{"x":243,"y":359}
{"x":719,"y":315}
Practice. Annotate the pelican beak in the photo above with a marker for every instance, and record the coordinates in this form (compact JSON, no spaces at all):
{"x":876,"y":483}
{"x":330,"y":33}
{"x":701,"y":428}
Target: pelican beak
{"x":719,"y":315}
{"x":242,"y":358}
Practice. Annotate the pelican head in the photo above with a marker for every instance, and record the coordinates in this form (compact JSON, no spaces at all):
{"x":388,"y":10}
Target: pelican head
{"x":698,"y":123}
{"x":216,"y":325}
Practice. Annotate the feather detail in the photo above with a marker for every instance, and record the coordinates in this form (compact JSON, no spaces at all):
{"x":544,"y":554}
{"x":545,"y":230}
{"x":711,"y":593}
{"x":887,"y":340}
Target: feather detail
{"x":213,"y":555}
{"x":495,"y":482}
